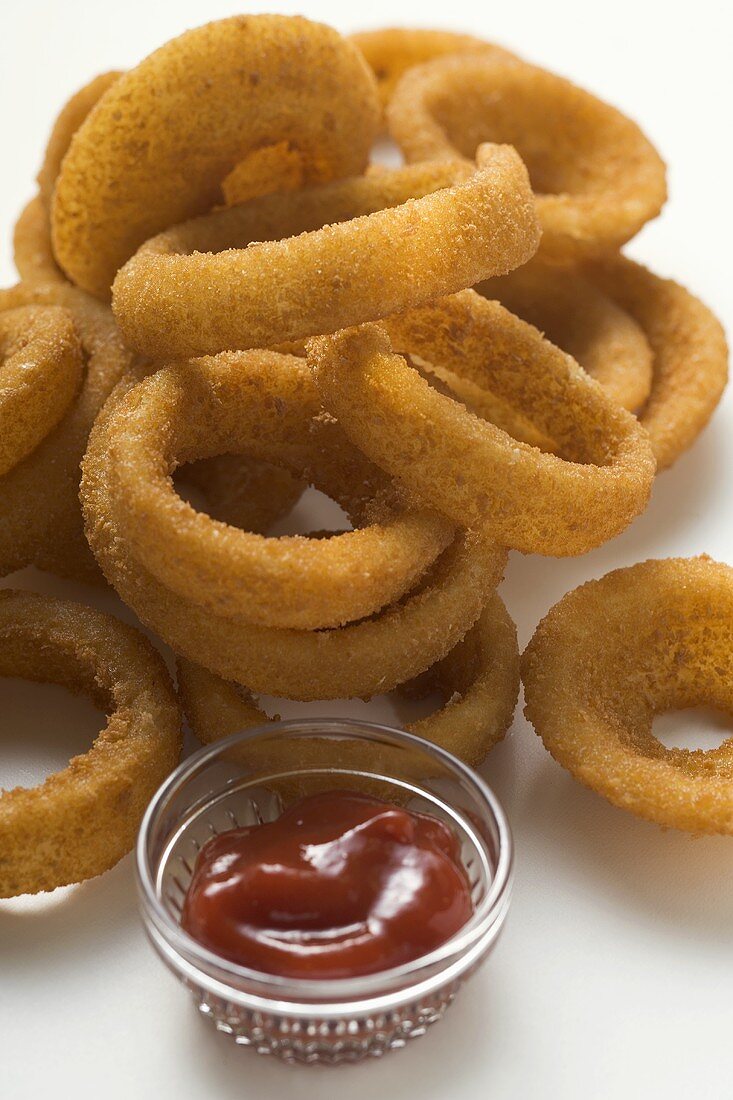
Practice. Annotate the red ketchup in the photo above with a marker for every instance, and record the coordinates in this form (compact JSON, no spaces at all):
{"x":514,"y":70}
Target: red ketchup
{"x":340,"y":885}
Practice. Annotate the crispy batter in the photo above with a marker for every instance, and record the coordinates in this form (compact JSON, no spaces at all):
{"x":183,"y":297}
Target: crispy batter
{"x":391,"y":51}
{"x":40,"y":372}
{"x":156,"y":147}
{"x":596,"y":176}
{"x":264,"y":405}
{"x":401,"y":238}
{"x":614,"y":653}
{"x":468,"y":468}
{"x":83,"y":819}
{"x":690,"y":368}
{"x":479,"y":680}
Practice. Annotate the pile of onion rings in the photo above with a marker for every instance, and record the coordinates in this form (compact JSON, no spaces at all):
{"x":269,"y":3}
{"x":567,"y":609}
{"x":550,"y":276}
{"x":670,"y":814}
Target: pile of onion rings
{"x":357,"y":659}
{"x":223,"y":303}
{"x":83,"y":819}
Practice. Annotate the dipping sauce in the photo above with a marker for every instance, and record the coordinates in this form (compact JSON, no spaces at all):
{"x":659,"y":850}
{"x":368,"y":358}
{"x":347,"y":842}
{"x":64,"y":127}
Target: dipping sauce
{"x":340,"y":885}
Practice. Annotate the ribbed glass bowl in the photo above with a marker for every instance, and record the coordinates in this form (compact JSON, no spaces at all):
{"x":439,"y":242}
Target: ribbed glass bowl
{"x":249,"y":778}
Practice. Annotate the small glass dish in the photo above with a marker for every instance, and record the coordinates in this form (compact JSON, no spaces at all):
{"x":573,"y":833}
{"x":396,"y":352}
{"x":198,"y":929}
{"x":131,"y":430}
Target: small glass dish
{"x":248,"y":778}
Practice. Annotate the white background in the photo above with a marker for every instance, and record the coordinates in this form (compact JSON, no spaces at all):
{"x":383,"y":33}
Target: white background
{"x":613,"y":978}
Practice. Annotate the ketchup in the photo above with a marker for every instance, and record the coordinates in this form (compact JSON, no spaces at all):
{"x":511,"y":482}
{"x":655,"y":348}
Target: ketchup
{"x":341,"y":884}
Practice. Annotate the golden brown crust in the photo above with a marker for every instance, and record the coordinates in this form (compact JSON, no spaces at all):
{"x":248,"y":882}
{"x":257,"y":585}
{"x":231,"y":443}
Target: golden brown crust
{"x":468,"y":468}
{"x":223,"y":90}
{"x":83,"y":819}
{"x":596,"y":176}
{"x":388,"y":250}
{"x":614,"y":653}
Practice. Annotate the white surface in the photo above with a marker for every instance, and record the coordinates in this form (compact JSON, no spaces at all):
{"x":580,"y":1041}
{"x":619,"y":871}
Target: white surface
{"x":613,"y":977}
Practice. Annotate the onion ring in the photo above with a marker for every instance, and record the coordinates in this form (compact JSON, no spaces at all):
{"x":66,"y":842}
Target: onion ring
{"x":598,"y":179}
{"x":479,"y":679}
{"x":83,"y":819}
{"x":40,"y":517}
{"x":689,"y":347}
{"x":262,"y":404}
{"x":223,"y":90}
{"x":614,"y":653}
{"x":468,"y":468}
{"x":40,"y":372}
{"x":391,"y":51}
{"x":68,"y":122}
{"x":354,"y":661}
{"x":374,"y":262}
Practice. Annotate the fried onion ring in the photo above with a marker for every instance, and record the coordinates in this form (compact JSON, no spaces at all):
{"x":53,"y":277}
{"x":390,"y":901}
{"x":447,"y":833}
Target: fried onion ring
{"x":469,"y":468}
{"x":265,"y":405}
{"x":614,"y":653}
{"x":40,"y":371}
{"x":83,"y":819}
{"x":401,"y":239}
{"x":40,"y":517}
{"x":391,"y":51}
{"x":597,"y":178}
{"x":354,"y":661}
{"x":156,"y":147}
{"x":479,"y":678}
{"x":689,"y":347}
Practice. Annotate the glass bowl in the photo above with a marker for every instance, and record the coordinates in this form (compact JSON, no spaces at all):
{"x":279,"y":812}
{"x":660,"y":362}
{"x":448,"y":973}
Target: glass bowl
{"x":249,"y":778}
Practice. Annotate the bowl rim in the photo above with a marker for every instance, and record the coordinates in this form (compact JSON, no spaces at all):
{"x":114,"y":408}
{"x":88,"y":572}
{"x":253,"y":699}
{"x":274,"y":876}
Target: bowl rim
{"x":419,"y":976}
